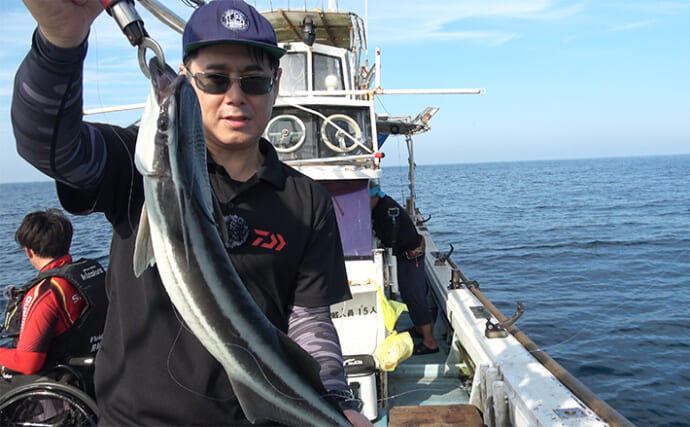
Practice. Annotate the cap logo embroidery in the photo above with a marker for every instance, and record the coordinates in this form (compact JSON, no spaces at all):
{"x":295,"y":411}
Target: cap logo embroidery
{"x":234,"y":20}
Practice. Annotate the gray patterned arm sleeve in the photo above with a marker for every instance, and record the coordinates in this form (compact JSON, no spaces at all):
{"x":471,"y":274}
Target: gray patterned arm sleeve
{"x":313,"y":330}
{"x":47,"y":116}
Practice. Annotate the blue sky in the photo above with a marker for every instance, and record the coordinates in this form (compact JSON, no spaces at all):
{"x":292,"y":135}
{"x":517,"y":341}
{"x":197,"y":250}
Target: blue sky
{"x":563,"y":79}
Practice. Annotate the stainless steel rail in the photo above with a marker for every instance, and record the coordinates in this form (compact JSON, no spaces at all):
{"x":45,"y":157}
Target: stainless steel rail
{"x":598,"y":405}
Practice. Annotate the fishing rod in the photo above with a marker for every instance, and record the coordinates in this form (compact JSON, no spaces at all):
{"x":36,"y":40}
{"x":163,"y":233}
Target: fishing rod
{"x":165,"y":15}
{"x":127,"y":18}
{"x":132,"y":26}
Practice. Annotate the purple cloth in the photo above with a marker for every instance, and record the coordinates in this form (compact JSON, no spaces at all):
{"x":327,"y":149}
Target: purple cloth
{"x":352,"y":209}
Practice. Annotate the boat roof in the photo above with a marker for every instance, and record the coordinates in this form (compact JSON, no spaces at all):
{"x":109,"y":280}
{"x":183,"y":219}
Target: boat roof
{"x":339,"y":29}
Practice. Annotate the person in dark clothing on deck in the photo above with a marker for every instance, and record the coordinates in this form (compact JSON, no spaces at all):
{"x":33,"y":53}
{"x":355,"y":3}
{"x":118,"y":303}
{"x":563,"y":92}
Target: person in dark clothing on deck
{"x":393,"y":225}
{"x":59,"y":314}
{"x":151,"y":369}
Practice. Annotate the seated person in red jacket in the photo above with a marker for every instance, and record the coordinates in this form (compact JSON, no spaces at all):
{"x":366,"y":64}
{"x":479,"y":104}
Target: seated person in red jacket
{"x":59,"y":314}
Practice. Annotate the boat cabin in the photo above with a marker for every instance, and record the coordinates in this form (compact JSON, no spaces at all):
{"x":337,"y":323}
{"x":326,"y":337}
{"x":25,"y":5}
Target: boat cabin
{"x":324,"y":125}
{"x":323,"y":116}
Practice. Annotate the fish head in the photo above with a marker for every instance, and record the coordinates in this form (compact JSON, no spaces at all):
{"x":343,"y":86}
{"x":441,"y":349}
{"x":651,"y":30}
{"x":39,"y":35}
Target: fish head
{"x":157,"y":125}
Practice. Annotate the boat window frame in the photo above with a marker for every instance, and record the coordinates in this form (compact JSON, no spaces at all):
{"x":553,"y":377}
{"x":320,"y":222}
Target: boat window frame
{"x":288,"y":76}
{"x":318,"y":78}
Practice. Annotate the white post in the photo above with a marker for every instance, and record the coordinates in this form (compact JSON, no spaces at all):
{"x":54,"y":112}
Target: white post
{"x":378,"y":68}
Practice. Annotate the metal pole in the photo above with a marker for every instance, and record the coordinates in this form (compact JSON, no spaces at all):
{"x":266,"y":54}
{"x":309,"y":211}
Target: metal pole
{"x":412,"y":201}
{"x":113,"y":109}
{"x":366,"y":29}
{"x":163,"y":14}
{"x":378,"y":69}
{"x":379,"y":91}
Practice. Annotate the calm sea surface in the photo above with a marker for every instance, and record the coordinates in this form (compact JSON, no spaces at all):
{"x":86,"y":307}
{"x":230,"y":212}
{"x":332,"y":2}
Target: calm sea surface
{"x":597,"y":250}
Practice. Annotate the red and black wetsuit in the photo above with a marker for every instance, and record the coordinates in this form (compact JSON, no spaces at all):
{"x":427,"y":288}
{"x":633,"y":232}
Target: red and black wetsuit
{"x":48,"y":310}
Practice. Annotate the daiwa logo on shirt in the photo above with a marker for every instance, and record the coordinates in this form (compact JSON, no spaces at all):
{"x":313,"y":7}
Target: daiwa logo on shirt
{"x":268,"y":240}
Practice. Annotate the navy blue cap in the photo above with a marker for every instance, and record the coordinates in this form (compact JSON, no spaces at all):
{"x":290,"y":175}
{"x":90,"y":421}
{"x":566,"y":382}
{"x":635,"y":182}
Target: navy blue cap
{"x":229,"y":21}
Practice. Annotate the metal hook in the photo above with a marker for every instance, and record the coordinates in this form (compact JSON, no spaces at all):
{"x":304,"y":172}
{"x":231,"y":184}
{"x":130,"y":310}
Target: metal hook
{"x":149,"y":43}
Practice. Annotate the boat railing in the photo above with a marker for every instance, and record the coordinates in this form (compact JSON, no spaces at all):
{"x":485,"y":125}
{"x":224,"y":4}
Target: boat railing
{"x":362,"y":159}
{"x":598,"y":405}
{"x":380,"y":91}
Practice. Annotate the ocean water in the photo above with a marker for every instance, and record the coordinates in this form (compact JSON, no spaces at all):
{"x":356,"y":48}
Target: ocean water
{"x":599,"y":253}
{"x":597,"y":250}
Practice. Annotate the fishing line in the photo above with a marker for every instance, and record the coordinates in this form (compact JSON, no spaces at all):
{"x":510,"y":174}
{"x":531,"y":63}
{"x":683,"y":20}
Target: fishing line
{"x":397,"y":139}
{"x":578,"y":332}
{"x":175,"y":380}
{"x":383,"y":106}
{"x":425,"y":389}
{"x":248,"y":351}
{"x":623,"y":300}
{"x":119,"y":138}
{"x":331,"y":122}
{"x":401,"y":187}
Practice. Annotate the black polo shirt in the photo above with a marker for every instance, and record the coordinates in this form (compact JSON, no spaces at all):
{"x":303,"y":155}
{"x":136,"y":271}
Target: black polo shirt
{"x":285,"y":246}
{"x":291,"y":237}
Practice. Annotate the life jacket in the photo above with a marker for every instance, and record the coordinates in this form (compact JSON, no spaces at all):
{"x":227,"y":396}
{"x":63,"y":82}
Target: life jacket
{"x":83,"y":338}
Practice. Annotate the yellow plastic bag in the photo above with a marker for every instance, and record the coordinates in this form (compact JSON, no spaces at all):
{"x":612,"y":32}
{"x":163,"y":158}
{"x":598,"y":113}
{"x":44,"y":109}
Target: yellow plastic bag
{"x":391,"y":310}
{"x":394,"y":349}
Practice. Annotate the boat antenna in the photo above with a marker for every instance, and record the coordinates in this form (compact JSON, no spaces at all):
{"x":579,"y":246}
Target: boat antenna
{"x":366,"y":33}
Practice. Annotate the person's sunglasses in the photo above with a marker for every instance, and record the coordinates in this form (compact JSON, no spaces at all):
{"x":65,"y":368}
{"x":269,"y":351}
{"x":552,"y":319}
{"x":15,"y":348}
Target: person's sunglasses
{"x":219,"y":83}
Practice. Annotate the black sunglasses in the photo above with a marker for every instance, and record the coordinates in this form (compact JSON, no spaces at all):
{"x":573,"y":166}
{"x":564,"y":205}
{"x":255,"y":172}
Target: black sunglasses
{"x":220,"y":83}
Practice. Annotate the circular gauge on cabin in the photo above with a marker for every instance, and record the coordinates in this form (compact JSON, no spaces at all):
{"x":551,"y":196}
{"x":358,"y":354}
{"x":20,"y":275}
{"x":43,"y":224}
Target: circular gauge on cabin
{"x":286,"y":132}
{"x":335,"y":131}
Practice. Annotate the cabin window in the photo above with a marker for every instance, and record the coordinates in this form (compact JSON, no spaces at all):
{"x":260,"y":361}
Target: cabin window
{"x":328,"y":72}
{"x":294,"y":77}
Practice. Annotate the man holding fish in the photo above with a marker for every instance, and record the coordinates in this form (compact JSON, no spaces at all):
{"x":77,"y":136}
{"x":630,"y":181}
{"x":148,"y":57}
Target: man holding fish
{"x":206,"y":276}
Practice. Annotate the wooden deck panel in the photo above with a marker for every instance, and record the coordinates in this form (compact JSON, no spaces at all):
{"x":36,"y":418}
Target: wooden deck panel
{"x":435,"y":415}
